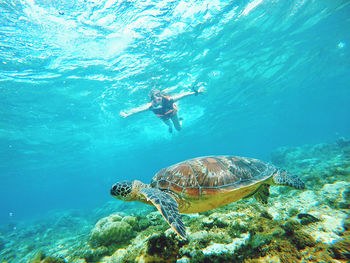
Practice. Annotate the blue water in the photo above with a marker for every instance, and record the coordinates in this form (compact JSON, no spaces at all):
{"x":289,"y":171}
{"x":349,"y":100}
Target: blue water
{"x":276,"y":74}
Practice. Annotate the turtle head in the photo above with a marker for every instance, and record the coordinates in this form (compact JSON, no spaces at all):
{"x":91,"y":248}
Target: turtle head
{"x":123,"y":190}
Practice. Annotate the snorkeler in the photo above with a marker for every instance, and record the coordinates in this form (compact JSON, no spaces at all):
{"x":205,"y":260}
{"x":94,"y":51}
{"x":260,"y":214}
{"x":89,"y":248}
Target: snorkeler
{"x":163,"y":106}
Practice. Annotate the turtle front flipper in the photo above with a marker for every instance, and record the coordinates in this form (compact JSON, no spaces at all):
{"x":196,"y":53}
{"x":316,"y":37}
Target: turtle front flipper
{"x":282,"y":177}
{"x":168,"y":207}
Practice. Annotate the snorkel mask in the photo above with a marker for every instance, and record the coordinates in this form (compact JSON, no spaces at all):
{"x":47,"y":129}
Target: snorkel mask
{"x":156,"y":97}
{"x":154,"y":93}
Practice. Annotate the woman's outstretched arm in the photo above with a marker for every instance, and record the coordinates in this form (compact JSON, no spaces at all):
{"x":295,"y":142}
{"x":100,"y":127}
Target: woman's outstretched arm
{"x":139,"y":109}
{"x":181,"y":95}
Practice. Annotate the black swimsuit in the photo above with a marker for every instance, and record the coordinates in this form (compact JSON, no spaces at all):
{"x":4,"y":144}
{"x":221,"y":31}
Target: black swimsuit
{"x":167,"y":105}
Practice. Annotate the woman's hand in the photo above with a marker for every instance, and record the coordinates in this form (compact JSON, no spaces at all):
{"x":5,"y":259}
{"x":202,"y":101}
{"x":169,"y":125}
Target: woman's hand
{"x":201,"y":90}
{"x":123,"y":114}
{"x":198,"y":91}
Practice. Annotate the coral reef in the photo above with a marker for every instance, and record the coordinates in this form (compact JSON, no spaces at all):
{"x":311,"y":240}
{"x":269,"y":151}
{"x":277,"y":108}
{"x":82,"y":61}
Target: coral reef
{"x":295,"y":226}
{"x":2,"y":243}
{"x":41,"y":258}
{"x":112,"y":230}
{"x":341,"y":248}
{"x":318,"y":164}
{"x":235,"y":233}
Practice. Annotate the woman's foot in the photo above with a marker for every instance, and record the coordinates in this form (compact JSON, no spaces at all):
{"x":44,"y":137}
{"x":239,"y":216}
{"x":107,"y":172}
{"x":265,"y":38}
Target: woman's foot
{"x":180,"y":121}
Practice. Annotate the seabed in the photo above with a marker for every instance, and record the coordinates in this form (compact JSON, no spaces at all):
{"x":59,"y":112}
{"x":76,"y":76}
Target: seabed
{"x":296,"y":226}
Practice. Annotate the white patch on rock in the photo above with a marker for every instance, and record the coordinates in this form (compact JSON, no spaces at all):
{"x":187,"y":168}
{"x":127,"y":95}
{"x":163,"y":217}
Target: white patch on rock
{"x":335,"y":192}
{"x":230,"y":248}
{"x":304,"y":202}
{"x":329,"y":229}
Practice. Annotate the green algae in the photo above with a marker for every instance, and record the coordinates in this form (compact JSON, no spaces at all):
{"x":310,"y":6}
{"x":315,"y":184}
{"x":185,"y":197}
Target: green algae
{"x":93,"y":254}
{"x":293,"y":211}
{"x":112,"y":230}
{"x":236,"y":229}
{"x":162,"y":246}
{"x":40,"y":257}
{"x":301,"y":240}
{"x":341,"y":249}
{"x":290,"y":227}
{"x":306,"y":219}
{"x":2,"y":243}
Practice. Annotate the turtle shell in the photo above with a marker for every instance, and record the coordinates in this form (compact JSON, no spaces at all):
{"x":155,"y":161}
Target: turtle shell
{"x":212,"y":175}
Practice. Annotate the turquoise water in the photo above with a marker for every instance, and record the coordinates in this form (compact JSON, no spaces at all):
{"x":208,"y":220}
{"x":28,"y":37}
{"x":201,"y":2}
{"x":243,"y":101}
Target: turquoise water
{"x":276,"y":74}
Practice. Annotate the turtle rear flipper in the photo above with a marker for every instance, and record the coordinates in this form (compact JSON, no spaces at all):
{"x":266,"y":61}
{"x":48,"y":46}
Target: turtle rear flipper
{"x":168,"y":207}
{"x":282,"y":177}
{"x":261,"y":194}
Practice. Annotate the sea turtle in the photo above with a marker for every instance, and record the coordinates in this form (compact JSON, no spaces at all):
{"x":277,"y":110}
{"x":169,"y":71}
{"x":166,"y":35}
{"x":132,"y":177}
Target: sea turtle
{"x":205,"y":183}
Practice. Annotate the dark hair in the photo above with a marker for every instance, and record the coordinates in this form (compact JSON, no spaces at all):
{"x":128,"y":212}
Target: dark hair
{"x":154,"y":93}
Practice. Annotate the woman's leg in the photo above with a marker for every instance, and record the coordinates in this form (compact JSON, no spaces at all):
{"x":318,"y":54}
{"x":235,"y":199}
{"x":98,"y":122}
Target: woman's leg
{"x":168,"y":123}
{"x":176,"y":122}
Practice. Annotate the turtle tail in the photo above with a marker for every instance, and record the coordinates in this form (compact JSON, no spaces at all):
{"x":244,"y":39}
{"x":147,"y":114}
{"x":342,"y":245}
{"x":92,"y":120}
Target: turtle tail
{"x":282,"y":177}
